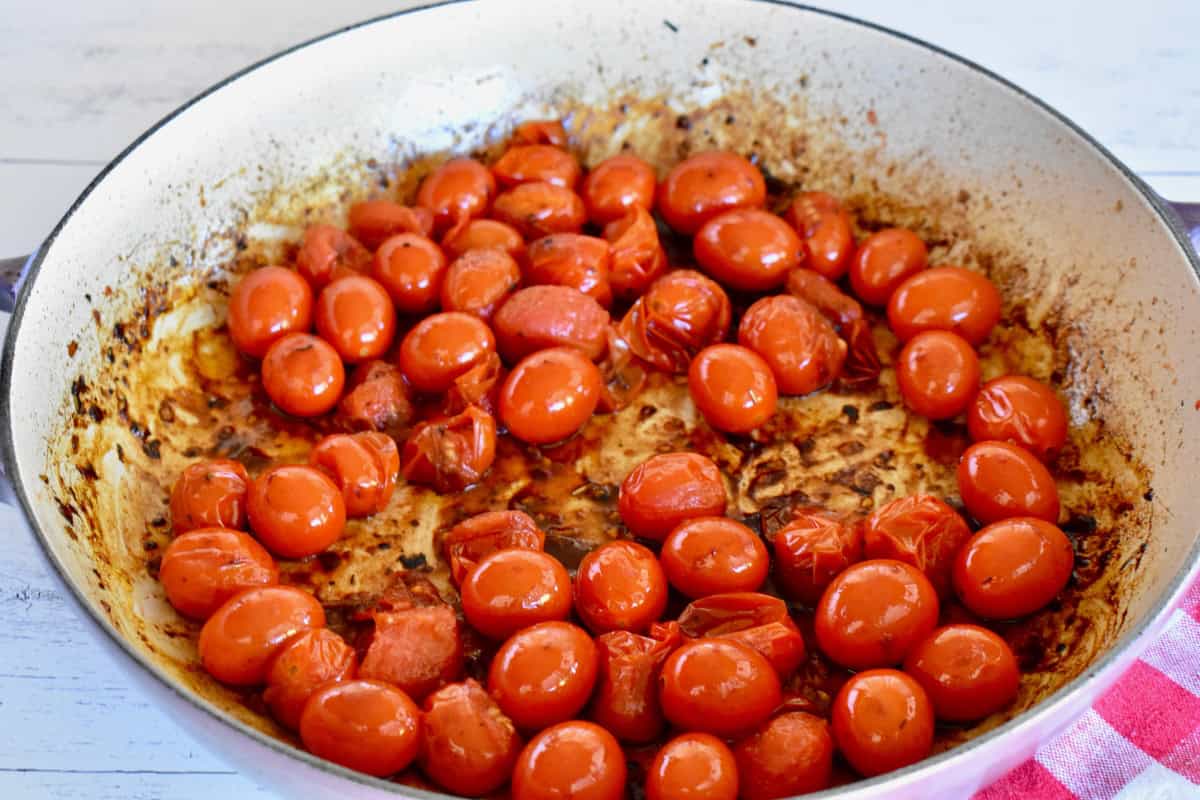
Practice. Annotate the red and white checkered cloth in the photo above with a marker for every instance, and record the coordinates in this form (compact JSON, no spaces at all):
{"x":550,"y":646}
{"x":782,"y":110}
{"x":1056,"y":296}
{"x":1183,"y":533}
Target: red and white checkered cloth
{"x":1140,"y":741}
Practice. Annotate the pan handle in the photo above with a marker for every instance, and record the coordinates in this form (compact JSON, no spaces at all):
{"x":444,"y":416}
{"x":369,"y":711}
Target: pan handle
{"x":1189,"y":217}
{"x":12,"y":275}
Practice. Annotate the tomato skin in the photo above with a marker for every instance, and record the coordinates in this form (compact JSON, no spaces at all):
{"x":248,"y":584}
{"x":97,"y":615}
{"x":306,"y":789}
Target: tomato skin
{"x":873,"y":613}
{"x":549,"y":395}
{"x":328,"y":253}
{"x":826,"y":233}
{"x":478,"y":281}
{"x":626,"y":700}
{"x":638,"y":258}
{"x":411,"y":268}
{"x":571,"y":259}
{"x":711,"y":555}
{"x":938,"y":374}
{"x":296,"y":511}
{"x":450,"y":454}
{"x":266,"y":305}
{"x":483,"y":234}
{"x":210,"y":494}
{"x":921,"y":531}
{"x":544,"y":674}
{"x":303,"y":375}
{"x":883,"y":261}
{"x":693,"y":765}
{"x":540,"y":209}
{"x":571,"y":761}
{"x":704,"y":185}
{"x":513,"y":589}
{"x":443,"y":346}
{"x":475,"y":538}
{"x":616,"y":186}
{"x":468,"y":746}
{"x":968,"y":672}
{"x":1020,"y":411}
{"x":239,"y":640}
{"x":457,"y":191}
{"x":882,"y":721}
{"x":799,"y":345}
{"x":839,"y":308}
{"x":998,"y":480}
{"x":680,"y":314}
{"x":306,"y":663}
{"x":365,"y":466}
{"x":417,"y":649}
{"x":757,"y":621}
{"x":541,"y":317}
{"x":620,"y":586}
{"x":374,"y":221}
{"x":718,"y":686}
{"x":356,"y":316}
{"x":1013,"y":567}
{"x":667,"y":489}
{"x":365,"y":725}
{"x":788,"y":755}
{"x":732,"y":387}
{"x":203,"y":568}
{"x":376,"y":399}
{"x":540,"y":131}
{"x":945,"y":299}
{"x":531,"y":163}
{"x":812,"y":550}
{"x":747,"y":249}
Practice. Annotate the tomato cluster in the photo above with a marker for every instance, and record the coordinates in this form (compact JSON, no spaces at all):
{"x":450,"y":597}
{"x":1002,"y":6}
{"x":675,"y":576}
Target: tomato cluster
{"x":484,"y":310}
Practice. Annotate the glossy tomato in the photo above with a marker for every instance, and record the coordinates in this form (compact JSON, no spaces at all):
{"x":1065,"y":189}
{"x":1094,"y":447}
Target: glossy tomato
{"x":418,"y":649}
{"x":825,"y":231}
{"x":473,"y":539}
{"x":238,"y":642}
{"x":411,"y":268}
{"x":680,"y":314}
{"x":998,"y":480}
{"x":790,"y":754}
{"x":541,"y":317}
{"x":812,"y":550}
{"x":710,"y":555}
{"x":718,"y":686}
{"x":626,"y":700}
{"x":620,"y":586}
{"x":1013,"y":567}
{"x":747,"y":249}
{"x":801,"y":347}
{"x":540,"y":209}
{"x":365,"y":466}
{"x":570,"y":761}
{"x":458,"y":190}
{"x":693,"y":766}
{"x":203,"y":568}
{"x":478,"y":281}
{"x":758,"y":621}
{"x":356,"y":316}
{"x":967,"y":671}
{"x":571,"y":259}
{"x":374,"y":221}
{"x":882,"y":721}
{"x":209,"y":494}
{"x":442,"y":347}
{"x":540,"y":131}
{"x":664,"y":490}
{"x":296,"y":511}
{"x":945,"y":299}
{"x":732,"y":387}
{"x":704,"y":185}
{"x":468,"y":746}
{"x":367,"y":726}
{"x":307,"y":662}
{"x":513,"y":589}
{"x":637,"y":255}
{"x":549,"y":395}
{"x":544,"y":674}
{"x":839,"y":308}
{"x":450,"y":454}
{"x":938,"y":374}
{"x":328,"y":253}
{"x":616,"y":186}
{"x":376,"y":399}
{"x":883,"y":261}
{"x":530,"y":163}
{"x":266,"y":305}
{"x":303,"y":375}
{"x":483,"y":234}
{"x":921,"y":531}
{"x":1020,"y":411}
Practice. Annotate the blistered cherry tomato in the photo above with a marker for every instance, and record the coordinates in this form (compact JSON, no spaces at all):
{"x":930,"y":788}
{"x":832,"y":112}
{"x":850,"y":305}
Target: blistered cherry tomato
{"x":205,"y":567}
{"x":919,"y":530}
{"x":456,"y":191}
{"x":468,"y":746}
{"x":239,"y":640}
{"x":303,"y":375}
{"x":549,"y":395}
{"x":570,"y":761}
{"x":367,"y":726}
{"x":998,"y":480}
{"x":945,"y":299}
{"x":328,"y":253}
{"x":616,"y":186}
{"x":938,"y":374}
{"x":758,"y":621}
{"x":1020,"y":411}
{"x":356,"y":316}
{"x":571,"y":259}
{"x":718,"y":686}
{"x":702,"y":186}
{"x":266,"y":305}
{"x":530,"y":163}
{"x":626,"y":700}
{"x":638,"y":258}
{"x":296,"y":511}
{"x":483,"y":234}
{"x":693,"y":766}
{"x":839,"y":308}
{"x":443,"y":346}
{"x":967,"y":671}
{"x":540,"y":131}
{"x":790,"y":754}
{"x":664,"y":490}
{"x":544,"y":674}
{"x":550,"y":316}
{"x":540,"y":209}
{"x":620,"y":586}
{"x":874,"y":612}
{"x":812,"y":550}
{"x":1013,"y":567}
{"x":801,"y":347}
{"x":825,"y":231}
{"x":376,"y":400}
{"x":478,"y":281}
{"x":418,"y":649}
{"x":732,"y":387}
{"x":513,"y":589}
{"x":473,"y":539}
{"x":747,"y":249}
{"x":411,"y":268}
{"x":374,"y":221}
{"x":708,"y":555}
{"x":882,"y":720}
{"x":450,"y":454}
{"x":679,"y":315}
{"x":305,"y":664}
{"x":210,"y":494}
{"x":365,"y":466}
{"x":883,"y":261}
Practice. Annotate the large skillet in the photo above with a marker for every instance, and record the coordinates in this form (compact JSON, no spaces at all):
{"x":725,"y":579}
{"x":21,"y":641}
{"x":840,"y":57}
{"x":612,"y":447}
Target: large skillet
{"x":1083,"y":248}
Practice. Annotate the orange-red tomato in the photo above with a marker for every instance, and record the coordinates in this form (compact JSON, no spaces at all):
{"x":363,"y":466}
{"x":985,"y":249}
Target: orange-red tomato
{"x":531,"y":163}
{"x":882,"y":720}
{"x":483,"y":234}
{"x":748,"y":249}
{"x":998,"y":480}
{"x":443,"y":346}
{"x":210,"y":494}
{"x":967,"y":671}
{"x":1020,"y":411}
{"x":620,"y":586}
{"x":238,"y":642}
{"x":456,"y":191}
{"x":826,"y":232}
{"x":626,"y":700}
{"x":938,"y":374}
{"x":540,"y":209}
{"x":571,"y":761}
{"x":680,"y":314}
{"x":801,"y":347}
{"x":732,"y":387}
{"x":296,"y":511}
{"x":874,"y":612}
{"x":616,"y":186}
{"x":513,"y":589}
{"x":307,"y":662}
{"x":356,"y":316}
{"x":638,"y":258}
{"x":540,"y":131}
{"x":541,"y":317}
{"x":664,"y":490}
{"x":718,"y":686}
{"x":704,"y":185}
{"x":571,"y":259}
{"x":544,"y":674}
{"x":418,"y":649}
{"x":478,"y":281}
{"x":468,"y":746}
{"x":549,"y":395}
{"x":812,"y":550}
{"x":376,"y":399}
{"x":710,"y":555}
{"x":475,"y":538}
{"x":945,"y":299}
{"x":883,"y":261}
{"x":693,"y":766}
{"x":365,"y":466}
{"x":478,"y":386}
{"x":266,"y":305}
{"x":1013,"y":567}
{"x":450,"y":454}
{"x":328,"y":253}
{"x":367,"y":726}
{"x":839,"y":308}
{"x":303,"y":375}
{"x":203,"y":568}
{"x":374,"y":221}
{"x":411,"y":268}
{"x":758,"y":621}
{"x":919,"y":530}
{"x":791,"y":754}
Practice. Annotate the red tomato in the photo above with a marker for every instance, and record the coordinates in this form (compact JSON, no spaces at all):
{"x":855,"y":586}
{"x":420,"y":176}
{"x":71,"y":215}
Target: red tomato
{"x":210,"y":494}
{"x":938,"y":374}
{"x":747,"y":249}
{"x":1013,"y":567}
{"x":732,"y":387}
{"x":710,"y":555}
{"x":883,"y":261}
{"x":307,"y":662}
{"x":945,"y":299}
{"x":549,"y":395}
{"x":483,"y":234}
{"x":365,"y":466}
{"x":239,"y":640}
{"x":638,"y":258}
{"x":266,"y":305}
{"x":367,"y":726}
{"x":680,"y":314}
{"x":757,"y":621}
{"x":475,"y":538}
{"x":702,"y":186}
{"x":624,"y":375}
{"x":374,"y":221}
{"x":203,"y":568}
{"x":544,"y":674}
{"x":456,"y":191}
{"x":411,"y":268}
{"x":998,"y":480}
{"x":478,"y":281}
{"x":303,"y":375}
{"x":616,"y":186}
{"x":1020,"y":411}
{"x":718,"y":686}
{"x":921,"y":531}
{"x":967,"y":671}
{"x":826,"y":232}
{"x":626,"y":699}
{"x":478,"y":386}
{"x":443,"y":346}
{"x":791,"y":754}
{"x":513,"y":589}
{"x":376,"y":400}
{"x":571,"y":259}
{"x":328,"y":253}
{"x":882,"y":721}
{"x":620,"y":586}
{"x":570,"y":761}
{"x":417,"y":649}
{"x":450,"y":454}
{"x":542,"y":317}
{"x":540,"y":131}
{"x":873,"y":613}
{"x":468,"y":746}
{"x":356,"y":316}
{"x":531,"y":163}
{"x":540,"y":209}
{"x":296,"y":511}
{"x":693,"y":765}
{"x":664,"y":490}
{"x":802,"y":349}
{"x":812,"y":550}
{"x":839,"y":308}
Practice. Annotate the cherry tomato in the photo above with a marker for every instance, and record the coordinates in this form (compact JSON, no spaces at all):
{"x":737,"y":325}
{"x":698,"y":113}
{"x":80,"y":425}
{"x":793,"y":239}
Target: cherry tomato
{"x":540,"y":131}
{"x":571,"y":259}
{"x":802,"y":349}
{"x":921,"y":531}
{"x":620,"y":586}
{"x":693,"y":765}
{"x":1020,"y":411}
{"x":570,"y":761}
{"x":874,"y":612}
{"x":1013,"y":567}
{"x":443,"y":346}
{"x":549,"y":395}
{"x":417,"y":649}
{"x":239,"y":640}
{"x":967,"y":671}
{"x":718,"y":686}
{"x":616,"y":186}
{"x":266,"y":305}
{"x":825,"y":232}
{"x":475,"y":538}
{"x":376,"y":400}
{"x":478,"y":281}
{"x":747,"y":249}
{"x":839,"y":308}
{"x":704,"y":185}
{"x":732,"y":387}
{"x":626,"y":700}
{"x":544,"y":674}
{"x":374,"y":221}
{"x":540,"y":209}
{"x":709,"y":555}
{"x":328,"y":253}
{"x":945,"y":299}
{"x":303,"y":375}
{"x":883,"y":261}
{"x":478,"y":386}
{"x":938,"y":374}
{"x":757,"y":621}
{"x":365,"y":466}
{"x":541,"y":317}
{"x":790,"y":754}
{"x":513,"y":589}
{"x":483,"y":234}
{"x":210,"y":494}
{"x":456,"y":191}
{"x":664,"y":490}
{"x":296,"y":511}
{"x":531,"y":163}
{"x":812,"y":550}
{"x":203,"y":568}
{"x":882,"y":721}
{"x":468,"y":746}
{"x":638,"y":258}
{"x":356,"y":316}
{"x":680,"y":314}
{"x":450,"y":454}
{"x":412,"y":269}
{"x":367,"y":726}
{"x":306,"y":663}
{"x":998,"y":480}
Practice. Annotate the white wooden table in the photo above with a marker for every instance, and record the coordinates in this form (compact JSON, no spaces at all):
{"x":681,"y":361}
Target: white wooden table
{"x":80,"y":79}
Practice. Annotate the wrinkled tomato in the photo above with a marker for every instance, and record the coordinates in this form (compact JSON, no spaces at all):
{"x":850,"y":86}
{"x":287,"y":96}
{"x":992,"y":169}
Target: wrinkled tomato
{"x":758,"y":621}
{"x":638,"y":258}
{"x":376,"y":400}
{"x":473,"y":539}
{"x":328,"y":253}
{"x":626,"y":698}
{"x":680,"y":314}
{"x":365,"y":466}
{"x":452,"y":453}
{"x":919,"y":530}
{"x":571,"y":259}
